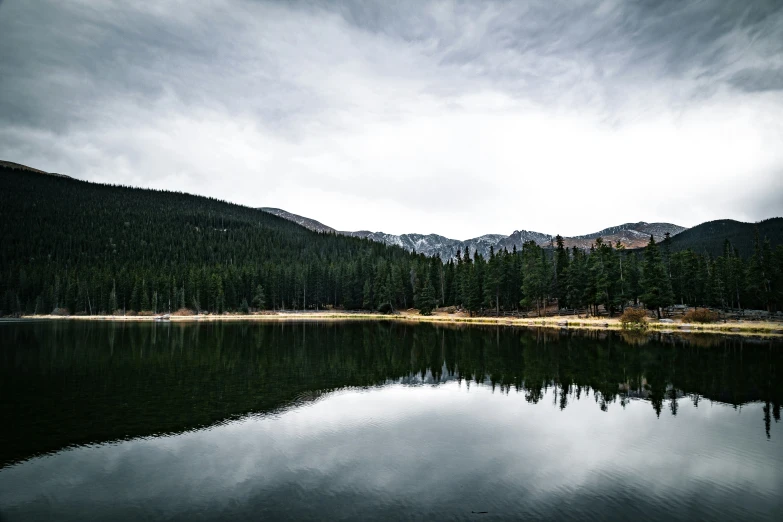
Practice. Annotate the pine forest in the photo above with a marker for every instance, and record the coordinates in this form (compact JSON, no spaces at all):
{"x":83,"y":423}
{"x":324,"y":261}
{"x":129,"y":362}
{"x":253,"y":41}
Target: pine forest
{"x":75,"y":247}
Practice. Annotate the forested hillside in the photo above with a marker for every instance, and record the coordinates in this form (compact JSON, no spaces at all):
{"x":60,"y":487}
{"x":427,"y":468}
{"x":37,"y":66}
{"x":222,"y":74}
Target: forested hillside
{"x":710,"y":236}
{"x":94,"y":249}
{"x":97,"y":248}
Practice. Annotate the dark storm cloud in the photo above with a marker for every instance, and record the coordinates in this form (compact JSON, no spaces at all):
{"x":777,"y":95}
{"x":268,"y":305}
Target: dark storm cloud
{"x":621,"y":39}
{"x":705,"y":36}
{"x":341,"y":98}
{"x":59,"y":59}
{"x":66,"y":58}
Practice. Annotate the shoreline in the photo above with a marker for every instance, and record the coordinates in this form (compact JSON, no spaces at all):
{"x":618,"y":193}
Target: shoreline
{"x":773,"y":329}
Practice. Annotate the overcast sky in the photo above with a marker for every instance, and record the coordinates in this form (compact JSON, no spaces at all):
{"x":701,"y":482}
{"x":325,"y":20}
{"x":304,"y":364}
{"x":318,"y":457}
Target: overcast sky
{"x":457,"y":118}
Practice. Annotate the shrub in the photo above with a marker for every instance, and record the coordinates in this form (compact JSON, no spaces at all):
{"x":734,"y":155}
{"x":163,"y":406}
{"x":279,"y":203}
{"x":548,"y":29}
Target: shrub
{"x":385,"y":308}
{"x":60,"y":311}
{"x":634,"y":318}
{"x":183,"y":311}
{"x":700,"y":315}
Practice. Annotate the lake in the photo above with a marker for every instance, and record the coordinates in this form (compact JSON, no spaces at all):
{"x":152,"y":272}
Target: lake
{"x":383,"y":420}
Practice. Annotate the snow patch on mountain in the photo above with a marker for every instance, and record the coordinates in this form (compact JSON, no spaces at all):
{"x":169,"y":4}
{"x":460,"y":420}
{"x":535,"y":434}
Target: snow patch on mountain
{"x":657,"y":230}
{"x":631,"y":235}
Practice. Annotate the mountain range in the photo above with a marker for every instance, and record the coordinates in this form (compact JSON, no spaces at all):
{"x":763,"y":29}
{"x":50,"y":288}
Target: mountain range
{"x":708,"y":237}
{"x":631,"y":235}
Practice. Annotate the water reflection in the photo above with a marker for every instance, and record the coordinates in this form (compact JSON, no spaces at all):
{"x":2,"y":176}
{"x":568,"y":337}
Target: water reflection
{"x":76,"y":383}
{"x":380,"y":420}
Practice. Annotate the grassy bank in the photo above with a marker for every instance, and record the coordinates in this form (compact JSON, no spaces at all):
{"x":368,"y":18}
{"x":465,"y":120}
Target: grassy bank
{"x":567,"y":322}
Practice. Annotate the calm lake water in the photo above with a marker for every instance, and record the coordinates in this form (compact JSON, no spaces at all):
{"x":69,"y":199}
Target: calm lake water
{"x":362,"y":421}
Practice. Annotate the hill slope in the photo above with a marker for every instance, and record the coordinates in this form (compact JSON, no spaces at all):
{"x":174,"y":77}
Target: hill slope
{"x":96,"y":248}
{"x":710,"y":236}
{"x":308,"y":223}
{"x":24,"y":168}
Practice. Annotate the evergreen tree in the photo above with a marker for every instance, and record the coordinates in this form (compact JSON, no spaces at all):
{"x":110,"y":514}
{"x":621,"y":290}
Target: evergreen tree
{"x":145,"y":300}
{"x":634,"y":275}
{"x":535,"y":282}
{"x":759,"y":270}
{"x":367,"y":295}
{"x":621,"y":298}
{"x":494,"y":280}
{"x":427,"y":298}
{"x":383,"y":296}
{"x":113,"y":298}
{"x":398,"y":287}
{"x":666,"y":252}
{"x":656,"y":286}
{"x":133,"y":303}
{"x":467,"y":284}
{"x":259,"y":298}
{"x":562,"y":260}
{"x":475,"y":295}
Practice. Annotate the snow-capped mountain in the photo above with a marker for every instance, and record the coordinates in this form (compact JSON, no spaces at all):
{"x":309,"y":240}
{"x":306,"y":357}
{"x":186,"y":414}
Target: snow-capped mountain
{"x":428,"y":244}
{"x":631,"y":235}
{"x":636,"y":230}
{"x":519,"y":237}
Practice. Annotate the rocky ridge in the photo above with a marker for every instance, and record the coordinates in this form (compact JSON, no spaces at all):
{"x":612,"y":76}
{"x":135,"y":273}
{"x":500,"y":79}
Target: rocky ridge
{"x":631,"y":235}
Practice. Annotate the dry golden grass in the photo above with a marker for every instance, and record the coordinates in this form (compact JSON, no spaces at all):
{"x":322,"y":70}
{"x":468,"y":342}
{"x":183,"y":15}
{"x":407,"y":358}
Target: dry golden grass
{"x":570,"y":322}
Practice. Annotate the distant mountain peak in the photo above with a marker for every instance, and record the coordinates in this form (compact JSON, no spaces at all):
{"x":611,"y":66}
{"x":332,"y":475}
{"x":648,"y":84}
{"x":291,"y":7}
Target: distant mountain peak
{"x":631,"y":235}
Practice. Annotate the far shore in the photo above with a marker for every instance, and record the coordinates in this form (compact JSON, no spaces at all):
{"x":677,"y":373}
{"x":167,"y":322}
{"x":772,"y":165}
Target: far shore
{"x":766,"y":328}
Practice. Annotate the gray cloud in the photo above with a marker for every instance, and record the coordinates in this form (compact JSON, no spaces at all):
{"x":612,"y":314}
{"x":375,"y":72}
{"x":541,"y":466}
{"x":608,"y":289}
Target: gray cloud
{"x":403,"y":107}
{"x":758,"y":80}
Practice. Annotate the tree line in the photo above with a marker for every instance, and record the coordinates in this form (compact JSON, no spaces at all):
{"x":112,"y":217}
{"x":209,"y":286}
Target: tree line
{"x":98,"y":249}
{"x":609,"y":276}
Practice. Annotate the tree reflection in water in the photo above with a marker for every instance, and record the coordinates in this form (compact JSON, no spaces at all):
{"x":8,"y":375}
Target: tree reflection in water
{"x":85,"y":382}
